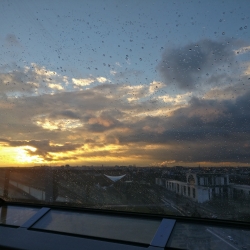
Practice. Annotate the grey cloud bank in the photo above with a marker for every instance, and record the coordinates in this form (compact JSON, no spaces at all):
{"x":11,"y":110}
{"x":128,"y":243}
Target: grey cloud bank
{"x":188,"y":66}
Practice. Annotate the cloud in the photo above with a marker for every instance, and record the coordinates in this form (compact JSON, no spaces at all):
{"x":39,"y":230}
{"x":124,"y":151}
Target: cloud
{"x":102,"y":123}
{"x":82,"y":81}
{"x":242,"y":50}
{"x":55,"y":86}
{"x":12,"y":40}
{"x":87,"y":81}
{"x":125,"y":74}
{"x":16,"y":81}
{"x":36,"y":80}
{"x":113,"y":72}
{"x":176,"y":99}
{"x":69,"y":114}
{"x":101,"y":79}
{"x":188,"y":66}
{"x":30,"y":80}
{"x":155,"y":86}
{"x":227,"y":92}
{"x":124,"y":122}
{"x":134,"y":92}
{"x":204,"y":130}
{"x":247,"y":71}
{"x":43,"y":148}
{"x":57,"y":124}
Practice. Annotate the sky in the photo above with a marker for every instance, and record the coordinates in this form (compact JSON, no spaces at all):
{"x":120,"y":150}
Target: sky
{"x":145,"y":83}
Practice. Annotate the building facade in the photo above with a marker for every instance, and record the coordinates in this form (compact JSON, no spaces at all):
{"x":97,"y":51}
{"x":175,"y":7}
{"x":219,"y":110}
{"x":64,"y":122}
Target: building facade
{"x":199,"y":187}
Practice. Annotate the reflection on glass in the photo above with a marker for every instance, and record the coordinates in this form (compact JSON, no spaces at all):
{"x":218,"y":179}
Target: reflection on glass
{"x":15,"y":215}
{"x":103,"y":226}
{"x":202,"y":237}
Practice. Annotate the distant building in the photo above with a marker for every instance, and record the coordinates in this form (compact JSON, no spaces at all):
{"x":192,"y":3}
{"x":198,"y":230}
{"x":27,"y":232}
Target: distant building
{"x":199,"y":187}
{"x":241,"y":191}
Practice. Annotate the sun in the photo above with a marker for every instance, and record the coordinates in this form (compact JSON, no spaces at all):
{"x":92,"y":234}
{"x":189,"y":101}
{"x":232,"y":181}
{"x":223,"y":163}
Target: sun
{"x":22,"y":155}
{"x":15,"y":156}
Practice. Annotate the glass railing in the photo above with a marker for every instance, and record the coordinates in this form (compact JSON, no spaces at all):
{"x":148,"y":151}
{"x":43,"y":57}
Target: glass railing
{"x":124,"y":189}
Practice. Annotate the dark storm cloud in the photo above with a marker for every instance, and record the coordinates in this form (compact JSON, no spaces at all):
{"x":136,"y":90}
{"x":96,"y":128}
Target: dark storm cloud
{"x":184,"y":66}
{"x":205,"y":130}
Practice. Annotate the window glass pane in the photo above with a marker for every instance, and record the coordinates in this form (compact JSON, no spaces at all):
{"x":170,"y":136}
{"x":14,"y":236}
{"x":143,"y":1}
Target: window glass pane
{"x":140,"y":106}
{"x":103,"y":226}
{"x":15,"y":215}
{"x":26,"y":184}
{"x":195,"y":236}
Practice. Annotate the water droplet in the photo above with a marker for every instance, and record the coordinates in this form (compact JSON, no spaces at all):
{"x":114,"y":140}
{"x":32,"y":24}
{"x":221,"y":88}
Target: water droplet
{"x":245,"y":27}
{"x":190,"y":49}
{"x":199,"y":68}
{"x":223,"y":33}
{"x":241,"y":28}
{"x":140,"y":59}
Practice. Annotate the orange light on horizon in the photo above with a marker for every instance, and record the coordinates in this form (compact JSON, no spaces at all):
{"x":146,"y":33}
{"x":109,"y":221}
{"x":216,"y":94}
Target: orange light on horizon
{"x":10,"y":156}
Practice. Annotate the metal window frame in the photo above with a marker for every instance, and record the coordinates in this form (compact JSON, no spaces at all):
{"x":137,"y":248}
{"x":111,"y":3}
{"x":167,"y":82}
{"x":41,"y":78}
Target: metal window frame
{"x":54,"y":238}
{"x":24,"y":237}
